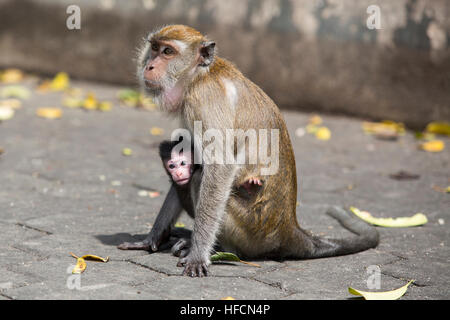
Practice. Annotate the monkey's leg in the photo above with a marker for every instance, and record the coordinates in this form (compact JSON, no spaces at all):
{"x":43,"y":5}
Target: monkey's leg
{"x":215,"y":188}
{"x":169,"y":213}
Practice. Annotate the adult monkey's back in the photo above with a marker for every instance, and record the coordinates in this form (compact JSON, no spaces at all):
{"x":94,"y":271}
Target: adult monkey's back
{"x":179,"y":69}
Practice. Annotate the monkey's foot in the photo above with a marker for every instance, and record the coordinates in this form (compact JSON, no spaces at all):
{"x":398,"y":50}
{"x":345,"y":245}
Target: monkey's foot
{"x":141,"y":245}
{"x":193,"y":268}
{"x":181,"y":248}
{"x":152,"y":242}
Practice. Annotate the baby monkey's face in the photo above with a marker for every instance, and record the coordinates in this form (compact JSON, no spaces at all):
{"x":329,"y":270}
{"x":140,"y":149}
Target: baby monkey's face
{"x":180,"y":167}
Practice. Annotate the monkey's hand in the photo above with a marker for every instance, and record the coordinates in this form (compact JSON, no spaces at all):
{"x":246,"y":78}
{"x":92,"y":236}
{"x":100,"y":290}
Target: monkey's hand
{"x":152,"y":242}
{"x":194,"y":267}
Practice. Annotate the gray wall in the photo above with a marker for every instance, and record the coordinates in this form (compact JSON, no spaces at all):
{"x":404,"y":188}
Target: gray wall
{"x":307,"y":55}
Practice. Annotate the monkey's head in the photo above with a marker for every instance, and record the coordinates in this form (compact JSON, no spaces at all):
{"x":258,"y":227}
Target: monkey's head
{"x":170,"y":59}
{"x":179,"y":166}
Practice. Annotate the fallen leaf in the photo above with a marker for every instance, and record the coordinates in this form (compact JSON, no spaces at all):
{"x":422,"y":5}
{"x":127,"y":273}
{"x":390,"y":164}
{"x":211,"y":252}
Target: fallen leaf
{"x":441,"y":189}
{"x":90,"y":103}
{"x":127,"y":151}
{"x":311,"y":128}
{"x":15,"y":91}
{"x":129,"y":97}
{"x":95,"y":258}
{"x":146,"y":102}
{"x":11,"y":76}
{"x":323,"y":133}
{"x":11,"y":103}
{"x":180,"y":225}
{"x":386,"y":295}
{"x":315,"y":120}
{"x":416,"y":220}
{"x":105,"y":106}
{"x":386,"y":130}
{"x":228,"y":298}
{"x":49,"y":113}
{"x":72,"y":102}
{"x":80,"y":266}
{"x":153,"y":194}
{"x":1,"y":151}
{"x":438,"y":128}
{"x":155,"y":131}
{"x":228,"y":256}
{"x":6,"y":113}
{"x":60,"y":82}
{"x":433,"y":146}
{"x":81,"y":263}
{"x":404,"y":175}
{"x":143,"y":193}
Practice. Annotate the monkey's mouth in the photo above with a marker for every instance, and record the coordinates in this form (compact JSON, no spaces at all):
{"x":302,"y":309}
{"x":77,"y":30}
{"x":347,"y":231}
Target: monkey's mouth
{"x":183,"y":181}
{"x":151,"y":84}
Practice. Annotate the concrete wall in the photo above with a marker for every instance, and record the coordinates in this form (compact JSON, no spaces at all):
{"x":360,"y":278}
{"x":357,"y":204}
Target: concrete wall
{"x":307,"y":55}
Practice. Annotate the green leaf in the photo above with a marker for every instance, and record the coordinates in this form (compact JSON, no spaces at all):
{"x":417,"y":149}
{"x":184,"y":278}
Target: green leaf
{"x":225,"y":256}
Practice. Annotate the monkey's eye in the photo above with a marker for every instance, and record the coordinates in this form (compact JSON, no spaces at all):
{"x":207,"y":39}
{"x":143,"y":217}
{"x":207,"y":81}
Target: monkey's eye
{"x":155,"y":46}
{"x":171,"y":166}
{"x":168,"y":51}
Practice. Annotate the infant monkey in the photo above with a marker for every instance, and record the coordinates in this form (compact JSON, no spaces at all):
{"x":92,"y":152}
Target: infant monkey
{"x":185,"y":177}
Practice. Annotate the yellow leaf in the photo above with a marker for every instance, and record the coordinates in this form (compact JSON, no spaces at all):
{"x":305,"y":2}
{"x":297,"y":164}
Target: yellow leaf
{"x":311,"y":128}
{"x":11,"y":103}
{"x":72,"y":102}
{"x":49,"y":113}
{"x":228,"y":298}
{"x":90,"y":102}
{"x":60,"y":82}
{"x":384,"y":129}
{"x":323,"y":133}
{"x":315,"y":120}
{"x":439,"y":128}
{"x":448,"y":189}
{"x":146,"y":102}
{"x":15,"y":91}
{"x":94,"y":258}
{"x":179,"y":225}
{"x":433,"y":146}
{"x":105,"y":106}
{"x":6,"y":113}
{"x":11,"y":76}
{"x":155,"y":131}
{"x":127,"y":151}
{"x":386,"y":295}
{"x":80,"y":266}
{"x":416,"y":220}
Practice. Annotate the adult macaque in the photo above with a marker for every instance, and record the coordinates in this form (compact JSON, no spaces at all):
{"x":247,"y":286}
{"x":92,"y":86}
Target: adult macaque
{"x":179,"y":69}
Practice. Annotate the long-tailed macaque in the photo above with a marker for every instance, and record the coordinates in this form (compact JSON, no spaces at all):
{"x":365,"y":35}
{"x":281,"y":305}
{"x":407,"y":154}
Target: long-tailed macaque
{"x":178,"y":67}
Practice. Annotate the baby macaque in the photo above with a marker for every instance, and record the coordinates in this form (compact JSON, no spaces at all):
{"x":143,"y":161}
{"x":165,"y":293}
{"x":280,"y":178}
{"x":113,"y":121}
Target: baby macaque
{"x":186,"y":177}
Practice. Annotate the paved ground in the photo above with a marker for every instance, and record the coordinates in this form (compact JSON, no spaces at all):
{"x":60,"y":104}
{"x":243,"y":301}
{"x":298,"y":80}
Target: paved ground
{"x":66,"y":187}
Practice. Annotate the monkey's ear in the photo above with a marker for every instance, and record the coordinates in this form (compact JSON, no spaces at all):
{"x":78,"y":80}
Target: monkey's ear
{"x":207,"y":51}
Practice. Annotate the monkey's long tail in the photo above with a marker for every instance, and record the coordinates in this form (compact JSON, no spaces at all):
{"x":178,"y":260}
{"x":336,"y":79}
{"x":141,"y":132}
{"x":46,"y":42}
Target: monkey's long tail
{"x":366,"y":237}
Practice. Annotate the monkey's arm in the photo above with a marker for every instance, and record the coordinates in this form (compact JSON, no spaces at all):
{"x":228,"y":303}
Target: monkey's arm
{"x":217,"y":180}
{"x":170,"y":211}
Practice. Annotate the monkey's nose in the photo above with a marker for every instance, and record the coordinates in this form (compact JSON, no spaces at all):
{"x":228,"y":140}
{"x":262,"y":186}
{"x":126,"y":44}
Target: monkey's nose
{"x":149,"y":67}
